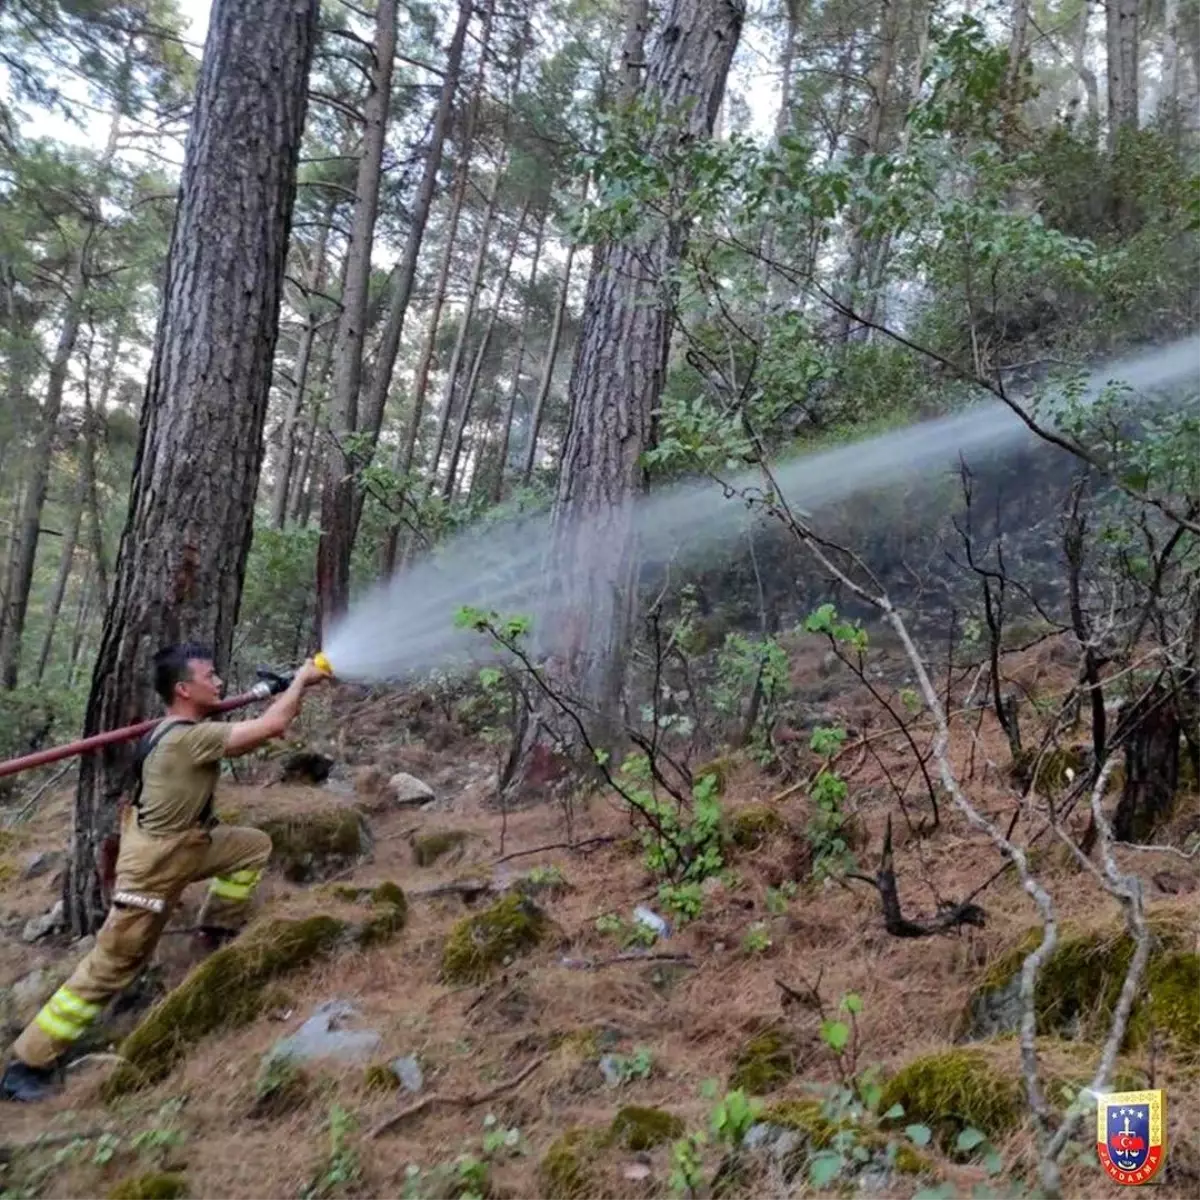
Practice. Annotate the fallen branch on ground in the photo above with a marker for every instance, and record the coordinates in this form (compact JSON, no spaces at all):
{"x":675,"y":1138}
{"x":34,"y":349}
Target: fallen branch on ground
{"x":574,"y":847}
{"x":468,"y":1100}
{"x":591,"y":964}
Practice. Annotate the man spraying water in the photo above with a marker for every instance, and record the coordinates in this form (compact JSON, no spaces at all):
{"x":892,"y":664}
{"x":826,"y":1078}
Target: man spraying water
{"x":169,"y":838}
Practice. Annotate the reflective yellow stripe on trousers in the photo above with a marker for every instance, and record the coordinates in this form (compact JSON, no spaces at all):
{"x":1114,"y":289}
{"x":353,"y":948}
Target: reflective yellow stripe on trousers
{"x":66,"y":1016}
{"x":237,"y":886}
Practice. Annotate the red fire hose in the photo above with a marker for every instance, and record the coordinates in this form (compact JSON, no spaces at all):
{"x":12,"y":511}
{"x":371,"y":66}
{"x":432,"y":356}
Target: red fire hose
{"x":128,"y":733}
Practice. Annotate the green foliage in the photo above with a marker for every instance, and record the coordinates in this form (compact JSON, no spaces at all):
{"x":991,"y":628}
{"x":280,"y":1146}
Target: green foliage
{"x":766,"y":1061}
{"x":342,"y":1170}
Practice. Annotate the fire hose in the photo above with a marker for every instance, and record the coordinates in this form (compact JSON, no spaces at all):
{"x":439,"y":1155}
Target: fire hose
{"x":270,"y":683}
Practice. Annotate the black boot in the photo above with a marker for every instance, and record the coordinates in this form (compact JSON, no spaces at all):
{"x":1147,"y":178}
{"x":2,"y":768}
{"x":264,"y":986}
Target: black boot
{"x":27,"y":1084}
{"x":213,"y":937}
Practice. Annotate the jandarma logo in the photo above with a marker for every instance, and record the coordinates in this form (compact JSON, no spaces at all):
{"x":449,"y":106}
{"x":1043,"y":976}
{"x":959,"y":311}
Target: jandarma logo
{"x":1131,"y":1135}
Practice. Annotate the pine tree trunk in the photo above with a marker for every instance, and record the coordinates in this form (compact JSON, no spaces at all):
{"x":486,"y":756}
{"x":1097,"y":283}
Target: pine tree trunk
{"x":547,"y":377}
{"x":1087,"y":77}
{"x":287,"y":437}
{"x":82,"y":612}
{"x":480,"y":354}
{"x":21,"y":579}
{"x":1168,"y":99}
{"x":618,"y":375}
{"x":70,"y":540}
{"x":190,"y":520}
{"x":385,"y":360}
{"x":337,"y":489}
{"x":1122,"y":40}
{"x":514,"y":391}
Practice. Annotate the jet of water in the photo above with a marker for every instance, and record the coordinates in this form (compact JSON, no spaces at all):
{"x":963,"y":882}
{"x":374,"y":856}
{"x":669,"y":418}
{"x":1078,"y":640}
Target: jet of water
{"x":405,"y":626}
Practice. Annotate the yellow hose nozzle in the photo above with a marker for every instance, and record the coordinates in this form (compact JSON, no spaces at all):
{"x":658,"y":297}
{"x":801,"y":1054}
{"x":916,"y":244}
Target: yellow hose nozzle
{"x":322,"y":663}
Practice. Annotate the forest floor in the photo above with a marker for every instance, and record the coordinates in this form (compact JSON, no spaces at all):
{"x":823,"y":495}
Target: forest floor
{"x":668,"y":1027}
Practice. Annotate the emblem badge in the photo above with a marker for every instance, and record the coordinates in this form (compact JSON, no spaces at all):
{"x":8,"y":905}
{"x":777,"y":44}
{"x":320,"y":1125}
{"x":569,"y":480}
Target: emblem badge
{"x":1131,"y":1135}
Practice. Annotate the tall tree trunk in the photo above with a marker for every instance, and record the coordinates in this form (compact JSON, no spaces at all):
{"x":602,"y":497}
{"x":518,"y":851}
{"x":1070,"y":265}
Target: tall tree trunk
{"x":476,"y":284}
{"x":21,"y":579}
{"x":1151,"y":768}
{"x":312,"y":322}
{"x":619,"y":369}
{"x":389,"y":345}
{"x":1168,"y":98}
{"x":480,"y":354}
{"x":1122,"y":40}
{"x":191,"y":507}
{"x":82,"y":612}
{"x":337,"y":489}
{"x":1087,"y":77}
{"x":636,"y":22}
{"x":514,"y":391}
{"x":1018,"y":43}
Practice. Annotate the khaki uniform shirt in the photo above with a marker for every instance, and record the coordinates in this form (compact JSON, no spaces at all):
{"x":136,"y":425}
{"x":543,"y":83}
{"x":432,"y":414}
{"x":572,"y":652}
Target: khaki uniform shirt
{"x":180,"y":776}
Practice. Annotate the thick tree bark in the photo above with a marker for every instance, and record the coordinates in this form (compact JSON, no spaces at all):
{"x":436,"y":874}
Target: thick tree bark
{"x":1151,"y":768}
{"x":1087,"y":77}
{"x":337,"y":490}
{"x":514,"y":391}
{"x":1122,"y":39}
{"x":618,"y":374}
{"x":187,"y":534}
{"x":389,"y":346}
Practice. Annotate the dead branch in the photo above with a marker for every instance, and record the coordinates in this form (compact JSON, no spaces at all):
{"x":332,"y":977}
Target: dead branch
{"x":574,"y":847}
{"x":895,"y":922}
{"x":467,"y":1100}
{"x":635,"y":956}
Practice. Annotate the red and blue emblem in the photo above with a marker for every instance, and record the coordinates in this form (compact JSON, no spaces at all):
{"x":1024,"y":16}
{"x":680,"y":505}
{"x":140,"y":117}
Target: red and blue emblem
{"x":1131,"y":1135}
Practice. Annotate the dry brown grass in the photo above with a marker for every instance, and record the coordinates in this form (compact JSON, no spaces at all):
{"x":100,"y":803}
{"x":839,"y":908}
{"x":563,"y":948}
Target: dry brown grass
{"x":913,"y":992}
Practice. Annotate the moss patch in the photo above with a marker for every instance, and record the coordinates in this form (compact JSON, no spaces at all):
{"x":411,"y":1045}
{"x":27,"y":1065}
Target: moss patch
{"x":428,"y":849}
{"x":750,"y":827}
{"x":389,"y":915}
{"x":479,"y":944}
{"x":951,"y":1091}
{"x":379,"y":1077}
{"x":566,"y":1171}
{"x":635,"y":1128}
{"x":1080,"y":983}
{"x":156,"y":1186}
{"x":223,"y":992}
{"x":314,"y":845}
{"x":1055,"y":771}
{"x":281,"y":1088}
{"x":764,"y":1062}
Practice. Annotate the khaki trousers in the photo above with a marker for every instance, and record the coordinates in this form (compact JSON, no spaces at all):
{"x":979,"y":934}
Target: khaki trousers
{"x":152,"y":872}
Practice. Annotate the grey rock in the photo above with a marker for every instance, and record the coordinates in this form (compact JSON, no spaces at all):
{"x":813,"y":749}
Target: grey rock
{"x":321,"y":1037}
{"x":408,"y":1071}
{"x":407,"y":791}
{"x":42,"y":863}
{"x":611,"y":1070}
{"x":39,"y":927}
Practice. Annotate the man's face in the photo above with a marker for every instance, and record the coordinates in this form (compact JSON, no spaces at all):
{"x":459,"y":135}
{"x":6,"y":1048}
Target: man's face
{"x":203,"y":686}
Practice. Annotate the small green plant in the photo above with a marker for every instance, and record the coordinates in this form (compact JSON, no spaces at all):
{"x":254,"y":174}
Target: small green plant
{"x":628,"y":933}
{"x":778,"y":898}
{"x":827,"y":823}
{"x":638,"y":1065}
{"x":757,"y":939}
{"x":684,"y":900}
{"x":342,"y":1169}
{"x":497,"y":1139}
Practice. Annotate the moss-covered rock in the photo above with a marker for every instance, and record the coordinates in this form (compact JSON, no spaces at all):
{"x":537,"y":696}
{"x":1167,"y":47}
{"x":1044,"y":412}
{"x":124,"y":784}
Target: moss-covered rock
{"x":1055,"y":770}
{"x":379,"y":1077}
{"x":1079,"y":985}
{"x":751,"y":826}
{"x":567,"y":1169}
{"x":389,"y":907}
{"x":223,"y":992}
{"x":311,"y":846}
{"x":636,"y":1128}
{"x":764,"y":1062}
{"x":955,"y":1090}
{"x":477,"y":945}
{"x":432,"y":846}
{"x":158,"y":1185}
{"x":718,"y":769}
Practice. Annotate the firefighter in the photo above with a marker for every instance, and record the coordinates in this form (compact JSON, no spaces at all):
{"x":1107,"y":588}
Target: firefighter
{"x":169,"y":838}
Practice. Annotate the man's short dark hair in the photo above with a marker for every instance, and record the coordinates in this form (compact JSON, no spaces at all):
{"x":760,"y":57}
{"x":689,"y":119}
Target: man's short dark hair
{"x":171,"y":666}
